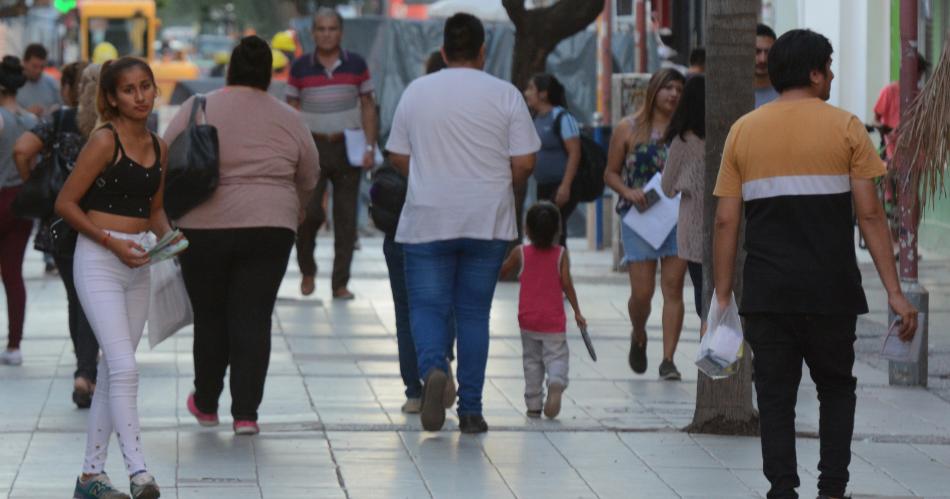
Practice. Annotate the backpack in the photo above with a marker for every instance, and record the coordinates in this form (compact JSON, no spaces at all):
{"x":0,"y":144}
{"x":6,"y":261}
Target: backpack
{"x":387,"y":194}
{"x":588,"y":183}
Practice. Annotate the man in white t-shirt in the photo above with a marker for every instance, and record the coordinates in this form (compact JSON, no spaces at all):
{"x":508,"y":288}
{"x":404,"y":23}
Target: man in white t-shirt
{"x":465,"y":139}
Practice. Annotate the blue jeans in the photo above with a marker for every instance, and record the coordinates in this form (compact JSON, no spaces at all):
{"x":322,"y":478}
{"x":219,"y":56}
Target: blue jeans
{"x":407,"y":350}
{"x":459,"y":275}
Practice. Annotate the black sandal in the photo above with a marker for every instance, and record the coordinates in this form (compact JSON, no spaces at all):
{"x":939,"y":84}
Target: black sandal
{"x":83,"y":398}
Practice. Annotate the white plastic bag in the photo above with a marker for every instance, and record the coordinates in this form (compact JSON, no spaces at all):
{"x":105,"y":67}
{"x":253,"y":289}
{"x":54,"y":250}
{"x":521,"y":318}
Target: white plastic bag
{"x":170,"y":307}
{"x":722,"y":347}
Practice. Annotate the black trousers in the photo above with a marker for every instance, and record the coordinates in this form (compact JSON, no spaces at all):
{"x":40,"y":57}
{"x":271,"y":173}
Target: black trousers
{"x":826,"y":343}
{"x":334,"y":168}
{"x":696,"y":275}
{"x":232,"y":277}
{"x":547,"y":192}
{"x":80,"y":332}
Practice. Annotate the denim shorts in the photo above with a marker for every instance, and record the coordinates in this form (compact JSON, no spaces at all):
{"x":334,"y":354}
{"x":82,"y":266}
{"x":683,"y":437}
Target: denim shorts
{"x":636,"y":249}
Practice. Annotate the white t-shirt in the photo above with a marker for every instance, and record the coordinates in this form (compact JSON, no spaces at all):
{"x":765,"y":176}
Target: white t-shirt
{"x":460,"y":128}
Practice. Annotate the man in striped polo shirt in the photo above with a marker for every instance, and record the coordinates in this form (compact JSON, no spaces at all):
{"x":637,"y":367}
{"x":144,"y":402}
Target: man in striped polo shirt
{"x":798,"y":165}
{"x":332,"y":89}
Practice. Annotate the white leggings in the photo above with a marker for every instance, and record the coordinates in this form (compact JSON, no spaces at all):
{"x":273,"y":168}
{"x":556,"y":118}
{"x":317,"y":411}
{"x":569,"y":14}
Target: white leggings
{"x":115,"y":299}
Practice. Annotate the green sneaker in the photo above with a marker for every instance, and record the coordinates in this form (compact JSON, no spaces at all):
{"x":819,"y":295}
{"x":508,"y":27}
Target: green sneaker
{"x":97,"y":487}
{"x":143,"y":486}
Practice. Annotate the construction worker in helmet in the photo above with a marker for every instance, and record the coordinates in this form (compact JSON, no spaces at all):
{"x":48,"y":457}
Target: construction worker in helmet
{"x":285,"y":42}
{"x":103,"y":52}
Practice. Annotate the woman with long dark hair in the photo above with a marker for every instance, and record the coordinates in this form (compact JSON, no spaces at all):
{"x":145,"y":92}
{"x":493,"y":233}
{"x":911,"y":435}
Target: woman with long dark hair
{"x":560,"y":153}
{"x":61,"y":135}
{"x":685,"y":174}
{"x":14,"y":231}
{"x":113,"y":198}
{"x":637,"y":152}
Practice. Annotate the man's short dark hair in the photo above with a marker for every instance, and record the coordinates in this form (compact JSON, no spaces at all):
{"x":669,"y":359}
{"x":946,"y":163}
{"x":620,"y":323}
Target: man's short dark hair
{"x":250,"y":63}
{"x":463,"y":38}
{"x":795,"y":55}
{"x":764,"y":30}
{"x":35,"y":51}
{"x":697,"y":57}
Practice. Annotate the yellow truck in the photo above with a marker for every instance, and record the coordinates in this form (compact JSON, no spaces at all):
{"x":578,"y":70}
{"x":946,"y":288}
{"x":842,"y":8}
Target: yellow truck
{"x":130,"y":27}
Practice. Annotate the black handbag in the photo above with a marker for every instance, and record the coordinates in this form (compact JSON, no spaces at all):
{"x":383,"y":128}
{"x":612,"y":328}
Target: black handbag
{"x":193,"y":160}
{"x":38,"y":194}
{"x":63,"y":238}
{"x":387,"y":195}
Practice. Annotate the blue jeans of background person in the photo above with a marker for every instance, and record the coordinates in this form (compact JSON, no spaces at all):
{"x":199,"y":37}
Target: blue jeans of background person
{"x":459,"y":275}
{"x":408,"y":368}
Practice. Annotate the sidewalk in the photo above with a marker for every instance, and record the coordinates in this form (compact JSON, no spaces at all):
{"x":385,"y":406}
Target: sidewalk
{"x":331,"y":425}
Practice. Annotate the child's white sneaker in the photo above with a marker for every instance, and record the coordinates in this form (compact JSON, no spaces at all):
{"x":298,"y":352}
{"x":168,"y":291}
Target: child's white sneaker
{"x":11,"y":357}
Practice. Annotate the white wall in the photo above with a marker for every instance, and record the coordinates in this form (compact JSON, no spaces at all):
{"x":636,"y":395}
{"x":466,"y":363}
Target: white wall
{"x":859,"y":31}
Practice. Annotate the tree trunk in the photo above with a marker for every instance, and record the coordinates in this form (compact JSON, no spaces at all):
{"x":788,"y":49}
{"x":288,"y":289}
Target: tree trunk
{"x":538,"y":31}
{"x":725,"y":406}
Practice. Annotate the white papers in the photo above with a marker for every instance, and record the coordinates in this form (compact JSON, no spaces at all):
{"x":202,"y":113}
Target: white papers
{"x":903,"y":351}
{"x":655,"y":224}
{"x":164,"y":249}
{"x":356,"y":147}
{"x":722,"y":346}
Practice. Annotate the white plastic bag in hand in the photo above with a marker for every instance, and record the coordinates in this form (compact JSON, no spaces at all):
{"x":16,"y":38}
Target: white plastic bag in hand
{"x":170,"y":307}
{"x":722,"y":347}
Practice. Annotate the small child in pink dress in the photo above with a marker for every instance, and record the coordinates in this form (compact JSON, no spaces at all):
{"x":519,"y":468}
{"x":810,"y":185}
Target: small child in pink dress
{"x":545,"y":276}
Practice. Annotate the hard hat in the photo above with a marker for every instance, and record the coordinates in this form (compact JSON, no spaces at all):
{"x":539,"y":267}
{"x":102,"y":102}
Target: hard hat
{"x":221,"y":57}
{"x":280,"y":60}
{"x":284,"y":41}
{"x":103,"y":52}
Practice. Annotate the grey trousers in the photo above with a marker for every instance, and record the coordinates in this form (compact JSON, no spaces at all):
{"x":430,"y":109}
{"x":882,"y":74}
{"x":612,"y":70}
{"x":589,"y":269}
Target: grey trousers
{"x":543,"y":353}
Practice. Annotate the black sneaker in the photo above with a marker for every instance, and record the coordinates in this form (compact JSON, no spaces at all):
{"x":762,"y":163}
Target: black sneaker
{"x":638,"y":356}
{"x":472,"y":423}
{"x":433,"y":406}
{"x":669,"y":372}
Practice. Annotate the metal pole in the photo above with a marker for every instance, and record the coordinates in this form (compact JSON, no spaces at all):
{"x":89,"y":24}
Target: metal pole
{"x":909,"y":373}
{"x":605,"y":70}
{"x":641,"y":18}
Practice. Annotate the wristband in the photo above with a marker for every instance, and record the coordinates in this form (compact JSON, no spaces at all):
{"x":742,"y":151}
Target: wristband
{"x":106,"y":239}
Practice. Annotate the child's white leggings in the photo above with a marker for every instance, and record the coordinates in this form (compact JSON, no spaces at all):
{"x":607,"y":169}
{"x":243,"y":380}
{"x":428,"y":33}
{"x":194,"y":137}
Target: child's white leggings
{"x":115,"y":299}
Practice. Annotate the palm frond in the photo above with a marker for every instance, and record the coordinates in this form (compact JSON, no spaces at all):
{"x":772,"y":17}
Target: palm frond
{"x":924,"y":133}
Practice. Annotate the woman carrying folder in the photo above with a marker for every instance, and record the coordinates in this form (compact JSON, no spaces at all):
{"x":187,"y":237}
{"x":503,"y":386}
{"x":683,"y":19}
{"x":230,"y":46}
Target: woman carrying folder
{"x":637,"y":153}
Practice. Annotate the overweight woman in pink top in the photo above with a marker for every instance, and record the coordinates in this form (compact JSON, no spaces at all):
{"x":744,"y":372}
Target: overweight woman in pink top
{"x":241,"y":237}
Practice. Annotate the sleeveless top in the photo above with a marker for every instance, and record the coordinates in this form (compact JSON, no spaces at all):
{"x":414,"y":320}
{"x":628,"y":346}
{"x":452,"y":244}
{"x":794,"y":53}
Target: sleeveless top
{"x":540,"y":301}
{"x":14,"y":124}
{"x":125,"y":187}
{"x":643,"y":161}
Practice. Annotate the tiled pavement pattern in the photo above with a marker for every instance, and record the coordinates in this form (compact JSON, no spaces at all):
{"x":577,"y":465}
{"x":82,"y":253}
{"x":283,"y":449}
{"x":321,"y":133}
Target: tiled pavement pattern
{"x":331,"y":425}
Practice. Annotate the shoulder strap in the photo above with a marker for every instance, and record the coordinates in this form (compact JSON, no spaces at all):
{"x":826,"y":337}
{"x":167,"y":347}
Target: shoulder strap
{"x":200,"y":101}
{"x":158,"y":149}
{"x":118,"y":144}
{"x":557,"y":128}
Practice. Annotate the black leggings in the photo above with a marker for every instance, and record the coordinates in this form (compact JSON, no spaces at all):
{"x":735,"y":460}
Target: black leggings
{"x":696,"y":275}
{"x":84,"y":340}
{"x":232,"y":277}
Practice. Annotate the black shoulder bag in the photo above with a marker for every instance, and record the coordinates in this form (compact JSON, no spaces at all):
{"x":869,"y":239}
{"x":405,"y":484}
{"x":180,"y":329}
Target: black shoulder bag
{"x":193,"y":163}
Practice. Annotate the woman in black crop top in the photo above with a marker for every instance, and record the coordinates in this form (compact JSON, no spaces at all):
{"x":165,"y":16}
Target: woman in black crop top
{"x":113,"y":198}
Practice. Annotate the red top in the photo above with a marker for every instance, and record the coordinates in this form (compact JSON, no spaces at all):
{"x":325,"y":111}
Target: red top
{"x":541,"y":302}
{"x":888,"y":106}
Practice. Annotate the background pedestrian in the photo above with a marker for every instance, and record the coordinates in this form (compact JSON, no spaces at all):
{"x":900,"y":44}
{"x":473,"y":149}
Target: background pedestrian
{"x":637,"y":152}
{"x":241,"y":237}
{"x":560,"y":153}
{"x":14,"y":231}
{"x":60,"y":135}
{"x":685,"y":174}
{"x":333,"y":91}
